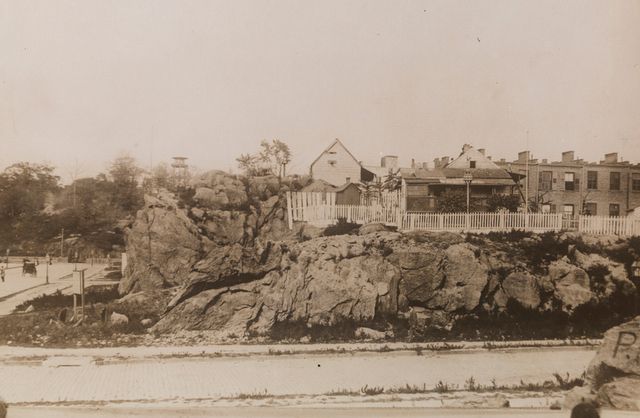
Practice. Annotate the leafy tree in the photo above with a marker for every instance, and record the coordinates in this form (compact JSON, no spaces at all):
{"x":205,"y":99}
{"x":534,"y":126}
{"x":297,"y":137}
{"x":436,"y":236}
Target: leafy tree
{"x":125,"y":174}
{"x":250,"y":165}
{"x":454,"y":200}
{"x":24,"y":188}
{"x":272,"y":158}
{"x":275,"y":155}
{"x":499,"y":202}
{"x":392,"y":181}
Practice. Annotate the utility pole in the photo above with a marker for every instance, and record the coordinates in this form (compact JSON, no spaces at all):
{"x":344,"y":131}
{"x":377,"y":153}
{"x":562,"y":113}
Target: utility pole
{"x":526,"y":181}
{"x":62,"y":243}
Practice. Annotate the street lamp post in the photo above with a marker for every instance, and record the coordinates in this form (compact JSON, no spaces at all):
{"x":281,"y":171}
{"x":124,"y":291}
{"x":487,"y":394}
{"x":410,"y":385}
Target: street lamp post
{"x":47,"y":260}
{"x":468,"y":178}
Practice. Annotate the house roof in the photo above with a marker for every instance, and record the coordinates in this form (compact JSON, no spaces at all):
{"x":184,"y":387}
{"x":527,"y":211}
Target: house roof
{"x":454,"y":176}
{"x":345,"y":187}
{"x":477,"y":173}
{"x":319,"y":186}
{"x":336,"y":141}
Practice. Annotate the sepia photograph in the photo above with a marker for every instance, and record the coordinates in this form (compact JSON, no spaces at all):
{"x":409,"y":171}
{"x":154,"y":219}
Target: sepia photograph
{"x":319,"y":209}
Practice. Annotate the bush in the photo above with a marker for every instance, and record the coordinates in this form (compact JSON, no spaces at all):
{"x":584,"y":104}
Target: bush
{"x":342,"y":227}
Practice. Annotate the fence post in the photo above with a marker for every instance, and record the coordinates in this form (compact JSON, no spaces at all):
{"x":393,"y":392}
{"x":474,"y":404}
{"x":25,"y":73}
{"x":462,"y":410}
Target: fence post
{"x":289,"y":211}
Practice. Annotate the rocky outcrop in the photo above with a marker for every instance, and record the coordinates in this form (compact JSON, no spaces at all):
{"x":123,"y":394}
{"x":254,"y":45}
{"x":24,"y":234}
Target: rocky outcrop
{"x":237,"y":267}
{"x":613,"y":376}
{"x":321,"y":282}
{"x":167,"y":240}
{"x":163,"y":245}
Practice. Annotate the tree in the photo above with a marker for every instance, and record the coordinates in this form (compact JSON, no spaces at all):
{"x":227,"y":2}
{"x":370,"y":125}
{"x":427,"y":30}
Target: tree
{"x":272,"y":158}
{"x":24,"y":188}
{"x":249,"y":164}
{"x":124,"y":174}
{"x":276,"y":155}
{"x":454,"y":200}
{"x":499,"y":202}
{"x":392,"y":181}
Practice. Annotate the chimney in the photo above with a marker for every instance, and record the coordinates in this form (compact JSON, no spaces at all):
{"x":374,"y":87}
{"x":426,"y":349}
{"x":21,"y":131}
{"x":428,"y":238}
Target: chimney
{"x":444,"y":161}
{"x":425,"y":165}
{"x":523,"y":156}
{"x":413,"y":163}
{"x":503,"y":160}
{"x":489,"y":158}
{"x":466,"y":147}
{"x":612,"y":157}
{"x":481,"y":151}
{"x":568,"y":156}
{"x":545,"y":161}
{"x":389,"y":161}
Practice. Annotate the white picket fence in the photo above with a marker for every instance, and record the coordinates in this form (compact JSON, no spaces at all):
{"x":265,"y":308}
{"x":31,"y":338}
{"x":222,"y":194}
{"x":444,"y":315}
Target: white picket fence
{"x":609,"y":225}
{"x":320,"y":209}
{"x":481,"y":222}
{"x":328,"y":214}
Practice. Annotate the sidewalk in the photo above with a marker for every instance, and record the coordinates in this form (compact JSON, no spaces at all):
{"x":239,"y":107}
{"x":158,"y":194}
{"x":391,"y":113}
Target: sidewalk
{"x":17,"y":289}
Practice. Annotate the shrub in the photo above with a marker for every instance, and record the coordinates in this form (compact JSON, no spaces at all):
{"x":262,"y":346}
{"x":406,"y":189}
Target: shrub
{"x":342,"y":227}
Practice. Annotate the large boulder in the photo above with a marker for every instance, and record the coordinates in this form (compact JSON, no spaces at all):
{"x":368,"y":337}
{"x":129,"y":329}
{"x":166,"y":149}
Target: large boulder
{"x":225,"y":227}
{"x":521,"y":287}
{"x":465,"y":278}
{"x":163,"y":244}
{"x":613,"y":376}
{"x":422,"y":272}
{"x":571,"y":284}
{"x":219,"y":190}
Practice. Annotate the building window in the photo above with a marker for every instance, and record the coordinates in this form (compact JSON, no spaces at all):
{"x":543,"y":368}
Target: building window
{"x":614,"y":180}
{"x":591,"y":208}
{"x":569,"y":181}
{"x":568,"y":210}
{"x":635,"y":182}
{"x":472,"y":164}
{"x":545,"y":180}
{"x":592,"y":180}
{"x":614,"y":209}
{"x":332,"y":163}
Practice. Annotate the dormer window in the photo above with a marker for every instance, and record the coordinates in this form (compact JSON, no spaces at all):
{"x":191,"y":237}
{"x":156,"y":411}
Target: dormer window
{"x":472,"y":164}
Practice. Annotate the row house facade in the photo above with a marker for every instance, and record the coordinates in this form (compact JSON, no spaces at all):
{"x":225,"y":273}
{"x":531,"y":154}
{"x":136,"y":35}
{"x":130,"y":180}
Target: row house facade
{"x":573,"y":186}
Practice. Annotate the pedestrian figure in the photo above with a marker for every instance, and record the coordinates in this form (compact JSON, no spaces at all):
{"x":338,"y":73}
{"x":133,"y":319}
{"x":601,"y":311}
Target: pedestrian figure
{"x":2,"y":273}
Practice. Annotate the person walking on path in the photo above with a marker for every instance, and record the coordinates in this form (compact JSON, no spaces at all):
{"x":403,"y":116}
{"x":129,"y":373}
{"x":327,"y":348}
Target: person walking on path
{"x":2,"y":273}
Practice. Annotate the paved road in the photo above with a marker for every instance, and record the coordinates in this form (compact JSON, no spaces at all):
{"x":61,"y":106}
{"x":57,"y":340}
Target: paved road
{"x":17,"y":288}
{"x":92,"y":379}
{"x":274,"y":412}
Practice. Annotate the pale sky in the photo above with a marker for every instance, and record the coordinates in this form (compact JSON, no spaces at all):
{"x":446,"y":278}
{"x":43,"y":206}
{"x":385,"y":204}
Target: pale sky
{"x":209,"y":80}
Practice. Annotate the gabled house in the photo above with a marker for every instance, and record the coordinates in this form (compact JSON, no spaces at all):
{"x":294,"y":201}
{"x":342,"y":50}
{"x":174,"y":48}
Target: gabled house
{"x":422,"y":187}
{"x":337,"y":166}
